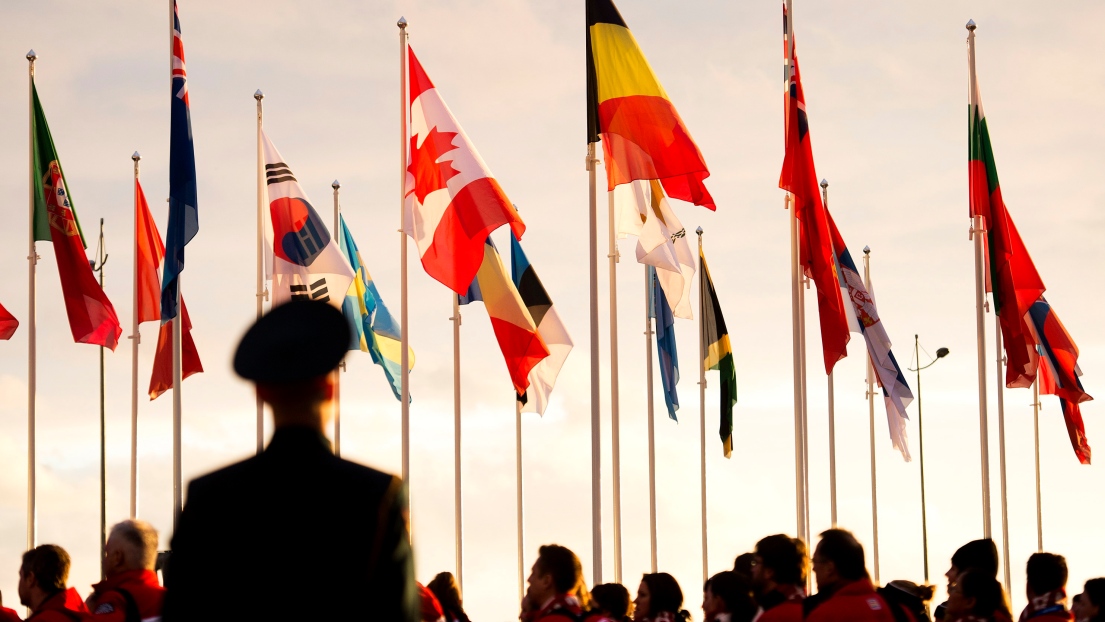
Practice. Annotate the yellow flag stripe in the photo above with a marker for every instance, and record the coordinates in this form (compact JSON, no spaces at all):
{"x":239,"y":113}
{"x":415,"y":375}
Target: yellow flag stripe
{"x":621,"y":70}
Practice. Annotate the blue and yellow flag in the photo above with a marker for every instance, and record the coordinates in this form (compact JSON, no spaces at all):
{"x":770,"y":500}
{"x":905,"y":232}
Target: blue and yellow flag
{"x":373,"y":329}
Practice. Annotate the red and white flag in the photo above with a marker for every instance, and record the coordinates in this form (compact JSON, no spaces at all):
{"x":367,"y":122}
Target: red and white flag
{"x":452,"y":201}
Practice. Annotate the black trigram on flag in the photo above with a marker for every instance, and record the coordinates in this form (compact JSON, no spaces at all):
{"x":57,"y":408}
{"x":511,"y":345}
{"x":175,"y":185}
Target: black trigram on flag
{"x":316,"y":291}
{"x":276,"y":173}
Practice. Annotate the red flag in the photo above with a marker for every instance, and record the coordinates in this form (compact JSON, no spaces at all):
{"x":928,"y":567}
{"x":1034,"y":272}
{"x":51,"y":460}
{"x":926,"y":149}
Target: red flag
{"x":1059,"y":374}
{"x":150,"y":253}
{"x":8,"y":324}
{"x":161,"y":380}
{"x":815,"y":244}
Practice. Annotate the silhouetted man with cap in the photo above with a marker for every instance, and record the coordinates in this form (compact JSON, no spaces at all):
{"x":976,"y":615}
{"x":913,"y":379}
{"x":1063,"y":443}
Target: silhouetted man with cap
{"x":294,"y":533}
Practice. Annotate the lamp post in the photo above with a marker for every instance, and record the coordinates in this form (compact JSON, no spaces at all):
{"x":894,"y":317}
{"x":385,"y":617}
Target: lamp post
{"x":940,"y":353}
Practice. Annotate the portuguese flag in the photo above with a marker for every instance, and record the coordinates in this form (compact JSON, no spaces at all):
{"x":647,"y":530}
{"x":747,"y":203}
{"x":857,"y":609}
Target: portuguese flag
{"x":1013,"y":280}
{"x":642,"y":134}
{"x":717,"y":352}
{"x":92,"y":319}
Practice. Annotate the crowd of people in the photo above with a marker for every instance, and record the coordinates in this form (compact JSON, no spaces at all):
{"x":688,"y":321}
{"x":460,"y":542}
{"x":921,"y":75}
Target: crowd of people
{"x":297,"y":533}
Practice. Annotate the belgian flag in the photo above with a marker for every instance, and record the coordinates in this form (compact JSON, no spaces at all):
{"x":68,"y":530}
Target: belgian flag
{"x":716,"y":351}
{"x":627,"y":108}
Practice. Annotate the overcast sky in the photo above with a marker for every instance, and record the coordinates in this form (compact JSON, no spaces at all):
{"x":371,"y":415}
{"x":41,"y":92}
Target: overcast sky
{"x":886,"y":91}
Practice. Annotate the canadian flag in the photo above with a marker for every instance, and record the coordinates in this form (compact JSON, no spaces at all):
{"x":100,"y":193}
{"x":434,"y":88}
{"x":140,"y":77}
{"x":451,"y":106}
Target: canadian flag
{"x":452,"y":201}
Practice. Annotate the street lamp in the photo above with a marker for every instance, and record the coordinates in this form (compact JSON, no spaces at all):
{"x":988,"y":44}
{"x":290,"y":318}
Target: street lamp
{"x":940,"y":353}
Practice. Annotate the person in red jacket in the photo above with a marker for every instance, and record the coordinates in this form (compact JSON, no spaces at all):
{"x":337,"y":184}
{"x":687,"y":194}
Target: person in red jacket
{"x":556,"y":591}
{"x":130,"y":584}
{"x":42,"y":578}
{"x":844,"y":589}
{"x":779,"y":576}
{"x":1046,"y":589}
{"x":8,"y":615}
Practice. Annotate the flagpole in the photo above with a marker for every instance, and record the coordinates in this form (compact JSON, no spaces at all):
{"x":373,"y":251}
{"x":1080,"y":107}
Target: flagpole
{"x":457,"y":510}
{"x":977,"y":234}
{"x":1001,"y":455}
{"x":98,"y":266}
{"x":921,"y":446}
{"x":596,"y":430}
{"x":615,"y":423}
{"x":404,"y":356}
{"x":702,"y":430}
{"x":262,"y":292}
{"x":803,"y":284}
{"x":871,"y":418}
{"x":1036,"y":439}
{"x":32,"y":259}
{"x":341,"y":367}
{"x":518,"y":492}
{"x":136,"y":338}
{"x":178,"y":484}
{"x":651,"y":422}
{"x":832,"y":404}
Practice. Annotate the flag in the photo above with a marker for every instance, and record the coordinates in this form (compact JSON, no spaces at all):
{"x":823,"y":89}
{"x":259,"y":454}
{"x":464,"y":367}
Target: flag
{"x":718,"y":353}
{"x":864,"y":319}
{"x":307,"y":263}
{"x":8,"y":324}
{"x":1013,"y":280}
{"x":452,"y":201}
{"x":514,"y":327}
{"x":1059,"y":373}
{"x":161,"y":379}
{"x":665,"y":343}
{"x":661,"y":241}
{"x":642,"y":134}
{"x":373,"y":329}
{"x":815,"y":248}
{"x":549,"y":327}
{"x":183,"y":214}
{"x":92,"y":318}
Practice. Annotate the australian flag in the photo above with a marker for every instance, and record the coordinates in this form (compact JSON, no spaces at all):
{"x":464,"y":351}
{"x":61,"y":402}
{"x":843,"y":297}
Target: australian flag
{"x":183,"y":215}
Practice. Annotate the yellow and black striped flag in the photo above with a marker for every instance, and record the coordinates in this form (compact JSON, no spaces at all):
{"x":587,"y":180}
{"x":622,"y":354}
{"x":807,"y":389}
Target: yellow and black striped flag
{"x":717,"y":353}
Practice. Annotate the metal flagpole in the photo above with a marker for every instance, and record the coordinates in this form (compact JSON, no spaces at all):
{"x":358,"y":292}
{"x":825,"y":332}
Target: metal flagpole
{"x":178,"y":484}
{"x":136,"y":338}
{"x":702,"y":429}
{"x":978,"y":233}
{"x":615,"y":423}
{"x":337,"y":372}
{"x":871,"y":416}
{"x":98,"y":266}
{"x":262,"y":291}
{"x":651,"y":422}
{"x":596,"y":430}
{"x":457,"y":513}
{"x":518,"y":492}
{"x":1001,"y":455}
{"x":803,"y":284}
{"x":1036,"y":439}
{"x":32,"y":259}
{"x":832,"y":405}
{"x":921,"y":449}
{"x":404,"y":356}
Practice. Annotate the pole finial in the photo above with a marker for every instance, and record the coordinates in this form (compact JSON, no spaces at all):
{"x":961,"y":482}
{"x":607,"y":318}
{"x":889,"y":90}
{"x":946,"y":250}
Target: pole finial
{"x":698,"y":231}
{"x":971,"y":25}
{"x":402,"y":23}
{"x":335,"y":185}
{"x":31,"y":56}
{"x":824,"y":183}
{"x":866,"y":250}
{"x":136,"y":156}
{"x":258,"y":95}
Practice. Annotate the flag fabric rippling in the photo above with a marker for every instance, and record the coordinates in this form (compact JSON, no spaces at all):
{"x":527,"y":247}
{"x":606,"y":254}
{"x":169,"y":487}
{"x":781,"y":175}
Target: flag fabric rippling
{"x":1059,"y":373}
{"x":8,"y":324}
{"x":717,"y":351}
{"x":161,"y":379}
{"x":665,"y":343}
{"x":661,"y":240}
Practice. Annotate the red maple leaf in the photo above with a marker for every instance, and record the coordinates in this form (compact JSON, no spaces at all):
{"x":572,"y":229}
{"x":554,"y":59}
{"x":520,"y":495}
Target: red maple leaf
{"x":429,"y":174}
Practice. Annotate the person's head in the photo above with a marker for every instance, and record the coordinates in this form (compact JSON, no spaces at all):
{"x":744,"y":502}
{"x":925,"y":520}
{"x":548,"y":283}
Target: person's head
{"x":556,"y":571}
{"x":838,"y":559}
{"x":289,"y":353}
{"x":659,"y":592}
{"x":612,"y":599}
{"x":727,"y":592}
{"x":910,"y":596}
{"x":980,"y":555}
{"x":780,"y":560}
{"x":976,"y":593}
{"x":43,"y":573}
{"x":131,"y":545}
{"x":1046,"y":572}
{"x":444,"y":587}
{"x":1089,"y":606}
{"x":745,"y":565}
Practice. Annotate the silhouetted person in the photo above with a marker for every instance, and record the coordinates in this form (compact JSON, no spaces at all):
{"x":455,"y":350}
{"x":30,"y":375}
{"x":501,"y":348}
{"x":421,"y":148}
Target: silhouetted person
{"x":611,"y":602}
{"x":554,"y":587}
{"x":908,"y":597}
{"x":42,"y":578}
{"x":844,"y":590}
{"x":659,"y":599}
{"x":444,"y":587}
{"x":779,"y":578}
{"x":1089,"y":606}
{"x":745,"y":565}
{"x":980,"y":555}
{"x":7,"y":615}
{"x":726,"y":597}
{"x":130,"y":589}
{"x":295,"y":532}
{"x":1046,"y":588}
{"x":976,"y":597}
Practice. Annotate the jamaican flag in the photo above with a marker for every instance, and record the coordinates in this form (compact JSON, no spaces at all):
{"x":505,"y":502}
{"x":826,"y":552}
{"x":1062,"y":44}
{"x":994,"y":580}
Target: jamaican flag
{"x":717,"y":353}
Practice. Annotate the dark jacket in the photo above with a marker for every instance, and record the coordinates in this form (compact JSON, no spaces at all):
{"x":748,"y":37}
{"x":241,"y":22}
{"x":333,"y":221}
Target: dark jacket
{"x":294,"y":533}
